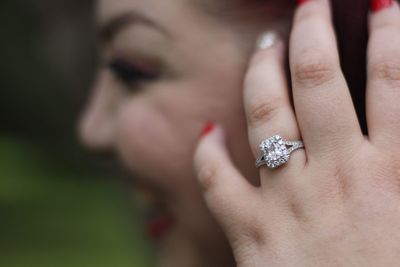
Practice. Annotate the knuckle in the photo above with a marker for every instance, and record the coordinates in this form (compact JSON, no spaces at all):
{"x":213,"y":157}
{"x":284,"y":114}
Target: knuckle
{"x":264,"y":111}
{"x":314,"y":70}
{"x":207,"y":175}
{"x":387,"y":70}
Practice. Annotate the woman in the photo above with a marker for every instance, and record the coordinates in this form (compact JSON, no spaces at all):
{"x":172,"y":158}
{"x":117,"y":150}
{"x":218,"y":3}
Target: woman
{"x":171,"y":66}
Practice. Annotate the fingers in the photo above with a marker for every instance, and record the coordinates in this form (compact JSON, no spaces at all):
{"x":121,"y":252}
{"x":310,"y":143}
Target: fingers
{"x":227,"y":192}
{"x":383,"y":92}
{"x":324,"y":109}
{"x":266,"y":98}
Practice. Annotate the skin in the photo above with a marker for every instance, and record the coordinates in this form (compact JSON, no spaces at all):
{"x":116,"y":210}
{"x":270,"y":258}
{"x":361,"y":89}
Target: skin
{"x":153,"y":127}
{"x":336,"y":203}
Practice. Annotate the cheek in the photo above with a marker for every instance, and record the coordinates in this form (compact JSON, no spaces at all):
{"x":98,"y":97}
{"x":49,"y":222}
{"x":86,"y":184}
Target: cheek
{"x":147,"y":142}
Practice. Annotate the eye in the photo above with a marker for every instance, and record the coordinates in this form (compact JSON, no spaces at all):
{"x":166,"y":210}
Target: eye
{"x":130,"y":73}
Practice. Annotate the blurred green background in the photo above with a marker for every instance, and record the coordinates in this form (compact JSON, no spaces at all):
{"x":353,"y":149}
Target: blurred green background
{"x":58,"y":207}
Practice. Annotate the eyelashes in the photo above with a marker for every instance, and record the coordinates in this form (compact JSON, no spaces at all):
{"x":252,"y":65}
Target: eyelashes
{"x":131,"y":74}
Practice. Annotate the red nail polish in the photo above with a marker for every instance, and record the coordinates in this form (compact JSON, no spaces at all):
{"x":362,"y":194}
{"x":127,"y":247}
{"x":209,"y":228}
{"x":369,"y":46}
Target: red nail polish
{"x":300,"y":2}
{"x":377,"y":5}
{"x":207,"y":129}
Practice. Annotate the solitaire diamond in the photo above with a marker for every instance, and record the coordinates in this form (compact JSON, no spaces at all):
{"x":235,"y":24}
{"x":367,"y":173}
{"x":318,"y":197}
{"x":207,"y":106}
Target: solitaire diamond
{"x":275,"y":152}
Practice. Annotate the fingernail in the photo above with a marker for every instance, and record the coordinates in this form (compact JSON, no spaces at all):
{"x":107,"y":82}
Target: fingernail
{"x":267,"y":40}
{"x":377,"y":5}
{"x":208,"y":128}
{"x":300,"y":2}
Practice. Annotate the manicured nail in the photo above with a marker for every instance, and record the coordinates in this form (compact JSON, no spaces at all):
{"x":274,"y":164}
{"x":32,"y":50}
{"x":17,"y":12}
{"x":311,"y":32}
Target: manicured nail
{"x":267,"y":40}
{"x":300,"y":2}
{"x":208,"y":128}
{"x":377,"y":5}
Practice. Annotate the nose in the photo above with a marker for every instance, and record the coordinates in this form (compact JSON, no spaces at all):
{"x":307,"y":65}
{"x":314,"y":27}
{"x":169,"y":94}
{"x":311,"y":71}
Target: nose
{"x":96,"y":127}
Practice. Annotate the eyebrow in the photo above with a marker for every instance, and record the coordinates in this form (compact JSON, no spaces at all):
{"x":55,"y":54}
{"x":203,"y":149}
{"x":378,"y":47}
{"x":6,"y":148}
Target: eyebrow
{"x":111,"y":28}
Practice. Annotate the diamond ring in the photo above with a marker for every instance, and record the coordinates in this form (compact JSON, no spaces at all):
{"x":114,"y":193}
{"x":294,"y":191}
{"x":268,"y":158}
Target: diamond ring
{"x":275,"y":151}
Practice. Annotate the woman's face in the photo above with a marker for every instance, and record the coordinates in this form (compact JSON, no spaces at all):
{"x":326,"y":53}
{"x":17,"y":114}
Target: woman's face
{"x":168,"y":68}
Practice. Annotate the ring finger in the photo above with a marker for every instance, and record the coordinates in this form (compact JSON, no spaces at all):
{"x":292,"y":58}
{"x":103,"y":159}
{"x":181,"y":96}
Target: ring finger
{"x":267,"y":103}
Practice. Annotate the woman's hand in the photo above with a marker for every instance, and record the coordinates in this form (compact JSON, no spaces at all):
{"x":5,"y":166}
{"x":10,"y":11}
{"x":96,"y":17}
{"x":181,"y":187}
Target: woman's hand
{"x":336,"y":202}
